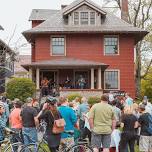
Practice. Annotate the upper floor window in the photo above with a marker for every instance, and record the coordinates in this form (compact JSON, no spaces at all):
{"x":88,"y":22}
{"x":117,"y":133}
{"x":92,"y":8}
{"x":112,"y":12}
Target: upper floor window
{"x":84,"y":18}
{"x":92,"y":18}
{"x":76,"y":18}
{"x":111,"y":45}
{"x":111,"y":79}
{"x":58,"y":46}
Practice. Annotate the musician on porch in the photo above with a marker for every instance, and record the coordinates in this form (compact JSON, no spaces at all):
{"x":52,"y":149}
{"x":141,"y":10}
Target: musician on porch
{"x":81,"y":82}
{"x":45,"y":87}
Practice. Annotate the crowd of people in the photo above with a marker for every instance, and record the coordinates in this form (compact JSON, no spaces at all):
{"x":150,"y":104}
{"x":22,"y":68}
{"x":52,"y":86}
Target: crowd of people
{"x":99,"y":123}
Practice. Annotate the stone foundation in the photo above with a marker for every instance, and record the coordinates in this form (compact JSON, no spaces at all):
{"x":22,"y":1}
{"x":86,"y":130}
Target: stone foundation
{"x":83,"y":92}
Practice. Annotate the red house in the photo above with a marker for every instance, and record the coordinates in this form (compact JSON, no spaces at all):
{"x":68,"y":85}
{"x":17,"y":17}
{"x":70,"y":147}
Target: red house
{"x":83,"y":40}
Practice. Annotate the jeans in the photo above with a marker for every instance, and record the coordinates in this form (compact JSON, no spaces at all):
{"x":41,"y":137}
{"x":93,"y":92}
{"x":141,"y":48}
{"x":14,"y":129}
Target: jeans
{"x":127,"y":140}
{"x":29,"y":135}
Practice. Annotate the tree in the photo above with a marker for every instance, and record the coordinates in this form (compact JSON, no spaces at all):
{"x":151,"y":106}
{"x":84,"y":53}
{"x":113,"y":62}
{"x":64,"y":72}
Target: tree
{"x":146,"y":85}
{"x":140,"y":15}
{"x":21,"y":88}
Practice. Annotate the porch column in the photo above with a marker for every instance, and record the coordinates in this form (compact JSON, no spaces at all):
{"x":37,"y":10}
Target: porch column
{"x":37,"y":78}
{"x":92,"y":78}
{"x":99,"y":78}
{"x":30,"y":73}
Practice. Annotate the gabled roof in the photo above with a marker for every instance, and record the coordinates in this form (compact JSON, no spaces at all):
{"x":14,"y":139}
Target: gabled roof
{"x":23,"y":59}
{"x":77,"y":3}
{"x":54,"y":23}
{"x":65,"y":62}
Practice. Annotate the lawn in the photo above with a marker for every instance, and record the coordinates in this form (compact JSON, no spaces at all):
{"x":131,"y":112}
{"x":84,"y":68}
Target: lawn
{"x":137,"y":149}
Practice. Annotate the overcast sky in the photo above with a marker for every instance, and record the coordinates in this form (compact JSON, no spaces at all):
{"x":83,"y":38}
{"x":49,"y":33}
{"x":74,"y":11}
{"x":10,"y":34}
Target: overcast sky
{"x":14,"y":14}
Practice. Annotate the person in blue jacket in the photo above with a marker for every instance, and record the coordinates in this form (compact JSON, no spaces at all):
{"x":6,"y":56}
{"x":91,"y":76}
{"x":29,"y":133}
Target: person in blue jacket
{"x":68,"y":114}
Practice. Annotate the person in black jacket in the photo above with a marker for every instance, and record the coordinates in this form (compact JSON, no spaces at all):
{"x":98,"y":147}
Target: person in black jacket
{"x":49,"y":113}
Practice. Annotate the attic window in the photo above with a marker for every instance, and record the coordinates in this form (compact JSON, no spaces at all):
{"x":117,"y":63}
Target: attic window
{"x":92,"y":18}
{"x":84,"y":18}
{"x":76,"y":18}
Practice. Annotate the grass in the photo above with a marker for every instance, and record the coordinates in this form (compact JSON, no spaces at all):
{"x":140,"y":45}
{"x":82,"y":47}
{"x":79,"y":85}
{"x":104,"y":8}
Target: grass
{"x":136,"y":149}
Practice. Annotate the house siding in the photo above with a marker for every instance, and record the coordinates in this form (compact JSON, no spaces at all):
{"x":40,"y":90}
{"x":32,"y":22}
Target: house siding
{"x":91,"y":47}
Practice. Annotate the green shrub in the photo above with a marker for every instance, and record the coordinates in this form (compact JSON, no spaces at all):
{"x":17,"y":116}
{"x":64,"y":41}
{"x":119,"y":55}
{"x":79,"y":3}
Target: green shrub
{"x":71,"y":97}
{"x":93,"y":100}
{"x":21,"y":88}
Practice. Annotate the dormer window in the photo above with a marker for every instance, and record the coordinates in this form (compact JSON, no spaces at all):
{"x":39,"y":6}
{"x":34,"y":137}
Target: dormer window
{"x":84,"y":18}
{"x":76,"y":18}
{"x":92,"y":18}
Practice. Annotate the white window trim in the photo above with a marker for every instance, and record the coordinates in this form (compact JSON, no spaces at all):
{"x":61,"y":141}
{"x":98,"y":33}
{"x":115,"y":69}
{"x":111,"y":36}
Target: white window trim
{"x":79,"y":12}
{"x":57,"y":36}
{"x":117,"y":70}
{"x":106,"y":36}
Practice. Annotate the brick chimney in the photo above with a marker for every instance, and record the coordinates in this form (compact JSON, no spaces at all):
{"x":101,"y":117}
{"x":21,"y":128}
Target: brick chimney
{"x":63,"y":6}
{"x":124,"y":10}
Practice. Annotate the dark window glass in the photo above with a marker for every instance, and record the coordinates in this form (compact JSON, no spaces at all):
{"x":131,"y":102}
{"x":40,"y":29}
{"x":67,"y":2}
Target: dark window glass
{"x":111,"y":45}
{"x":76,"y":18}
{"x":111,"y":79}
{"x":58,"y":46}
{"x":84,"y":18}
{"x":92,"y":18}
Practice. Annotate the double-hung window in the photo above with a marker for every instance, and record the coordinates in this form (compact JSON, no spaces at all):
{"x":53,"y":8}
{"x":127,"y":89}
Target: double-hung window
{"x":92,"y":18}
{"x":76,"y":18}
{"x":84,"y":18}
{"x":58,"y":45}
{"x":111,"y":45}
{"x":111,"y":79}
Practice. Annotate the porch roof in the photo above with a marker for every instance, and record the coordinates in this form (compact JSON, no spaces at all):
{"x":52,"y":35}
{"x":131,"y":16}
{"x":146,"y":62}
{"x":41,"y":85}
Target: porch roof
{"x":65,"y":63}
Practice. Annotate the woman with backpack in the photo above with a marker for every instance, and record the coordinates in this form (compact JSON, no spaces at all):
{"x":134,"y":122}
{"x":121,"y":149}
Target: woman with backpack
{"x":49,"y":114}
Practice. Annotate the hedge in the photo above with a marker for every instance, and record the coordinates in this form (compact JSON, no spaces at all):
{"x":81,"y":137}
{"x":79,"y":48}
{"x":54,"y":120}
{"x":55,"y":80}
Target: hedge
{"x":71,"y":97}
{"x":93,"y":100}
{"x":21,"y":88}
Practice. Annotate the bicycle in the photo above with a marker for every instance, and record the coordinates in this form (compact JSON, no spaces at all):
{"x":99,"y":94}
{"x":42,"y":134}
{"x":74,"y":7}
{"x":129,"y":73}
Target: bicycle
{"x":7,"y":145}
{"x":42,"y":146}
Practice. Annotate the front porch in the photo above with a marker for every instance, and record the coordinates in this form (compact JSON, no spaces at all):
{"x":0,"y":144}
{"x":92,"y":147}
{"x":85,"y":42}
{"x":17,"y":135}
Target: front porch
{"x":60,"y":70}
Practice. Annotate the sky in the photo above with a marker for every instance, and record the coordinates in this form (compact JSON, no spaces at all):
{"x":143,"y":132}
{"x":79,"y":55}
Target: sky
{"x":14,"y":16}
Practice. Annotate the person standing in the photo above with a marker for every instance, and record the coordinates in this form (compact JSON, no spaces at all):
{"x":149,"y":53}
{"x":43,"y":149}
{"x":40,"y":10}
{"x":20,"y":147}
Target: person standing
{"x":15,"y":120}
{"x":45,"y":87}
{"x":49,"y":114}
{"x":30,"y":122}
{"x":129,"y":100}
{"x":102,"y":122}
{"x":145,"y":122}
{"x":2,"y":122}
{"x":82,"y":110}
{"x":129,"y":124}
{"x":68,"y":114}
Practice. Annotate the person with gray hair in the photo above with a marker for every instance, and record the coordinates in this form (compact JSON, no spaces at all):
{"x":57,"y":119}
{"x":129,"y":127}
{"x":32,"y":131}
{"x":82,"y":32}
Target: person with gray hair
{"x":82,"y":110}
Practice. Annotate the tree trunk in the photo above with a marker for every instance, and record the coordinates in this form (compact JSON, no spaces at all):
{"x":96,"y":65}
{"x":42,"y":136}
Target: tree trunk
{"x":138,"y":71}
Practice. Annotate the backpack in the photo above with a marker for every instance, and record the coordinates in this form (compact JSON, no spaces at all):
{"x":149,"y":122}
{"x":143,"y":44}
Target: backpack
{"x":149,"y":128}
{"x":58,"y":126}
